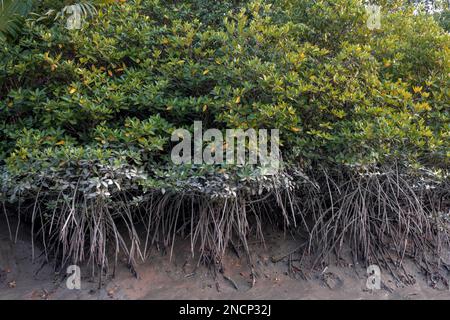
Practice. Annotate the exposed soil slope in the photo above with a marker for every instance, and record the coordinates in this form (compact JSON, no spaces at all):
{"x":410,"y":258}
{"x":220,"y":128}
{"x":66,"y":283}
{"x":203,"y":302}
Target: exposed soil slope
{"x":179,"y":278}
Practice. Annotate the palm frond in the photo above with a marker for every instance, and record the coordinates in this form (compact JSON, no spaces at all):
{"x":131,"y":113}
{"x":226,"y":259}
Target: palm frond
{"x":79,"y":11}
{"x":76,"y":13}
{"x":11,"y":14}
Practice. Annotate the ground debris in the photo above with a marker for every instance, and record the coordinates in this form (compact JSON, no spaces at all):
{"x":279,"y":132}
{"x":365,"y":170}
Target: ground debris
{"x":231,"y":281}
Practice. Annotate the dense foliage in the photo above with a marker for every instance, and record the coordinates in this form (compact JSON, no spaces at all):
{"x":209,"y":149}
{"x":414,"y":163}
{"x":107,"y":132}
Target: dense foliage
{"x":338,"y":91}
{"x":74,"y":102}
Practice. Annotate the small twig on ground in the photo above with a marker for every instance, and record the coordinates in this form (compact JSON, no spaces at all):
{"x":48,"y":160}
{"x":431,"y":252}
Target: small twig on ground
{"x":276,"y":259}
{"x":231,"y":281}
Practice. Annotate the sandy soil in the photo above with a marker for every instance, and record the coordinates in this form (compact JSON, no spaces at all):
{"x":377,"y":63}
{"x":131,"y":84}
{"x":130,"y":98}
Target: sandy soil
{"x":180,"y":278}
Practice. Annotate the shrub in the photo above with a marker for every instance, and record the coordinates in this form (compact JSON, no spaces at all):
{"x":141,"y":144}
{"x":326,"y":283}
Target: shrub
{"x":81,"y":109}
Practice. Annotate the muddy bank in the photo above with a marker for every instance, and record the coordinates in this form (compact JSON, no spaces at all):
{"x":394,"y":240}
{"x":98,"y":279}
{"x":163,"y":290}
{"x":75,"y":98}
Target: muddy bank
{"x":276,"y":276}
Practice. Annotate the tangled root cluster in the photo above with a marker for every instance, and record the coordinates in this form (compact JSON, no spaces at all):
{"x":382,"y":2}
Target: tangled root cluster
{"x":93,"y":215}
